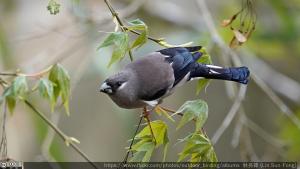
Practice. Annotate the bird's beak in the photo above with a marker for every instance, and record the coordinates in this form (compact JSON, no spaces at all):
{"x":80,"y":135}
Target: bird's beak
{"x":105,"y":88}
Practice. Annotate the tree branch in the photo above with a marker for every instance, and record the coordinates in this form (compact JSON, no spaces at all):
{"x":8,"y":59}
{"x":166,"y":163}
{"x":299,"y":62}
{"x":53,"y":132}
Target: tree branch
{"x":232,"y":112}
{"x":59,"y":132}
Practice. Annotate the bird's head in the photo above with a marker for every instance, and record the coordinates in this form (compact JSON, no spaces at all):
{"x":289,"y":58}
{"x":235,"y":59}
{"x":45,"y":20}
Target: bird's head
{"x":114,"y":83}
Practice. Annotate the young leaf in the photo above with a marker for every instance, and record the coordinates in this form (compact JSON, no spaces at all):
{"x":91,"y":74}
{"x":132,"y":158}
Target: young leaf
{"x":159,"y":130}
{"x":204,"y":59}
{"x":110,"y":39}
{"x":199,"y":148}
{"x":18,"y":89}
{"x":46,"y":90}
{"x":197,"y":110}
{"x":145,"y":146}
{"x":141,"y":26}
{"x":11,"y":103}
{"x":202,"y":83}
{"x":160,"y":111}
{"x":53,"y":7}
{"x":61,"y":80}
{"x":120,"y":41}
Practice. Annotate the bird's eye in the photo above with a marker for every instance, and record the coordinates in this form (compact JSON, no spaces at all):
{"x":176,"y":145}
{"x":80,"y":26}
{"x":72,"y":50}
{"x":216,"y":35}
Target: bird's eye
{"x":119,"y":83}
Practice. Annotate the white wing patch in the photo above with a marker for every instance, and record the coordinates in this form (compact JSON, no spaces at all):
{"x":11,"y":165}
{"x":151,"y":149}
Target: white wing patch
{"x":197,"y":78}
{"x":212,"y":71}
{"x":213,"y":66}
{"x":151,"y":103}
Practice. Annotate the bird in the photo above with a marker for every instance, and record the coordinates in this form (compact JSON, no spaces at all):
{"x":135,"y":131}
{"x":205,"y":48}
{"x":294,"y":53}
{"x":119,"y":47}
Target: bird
{"x":146,"y":81}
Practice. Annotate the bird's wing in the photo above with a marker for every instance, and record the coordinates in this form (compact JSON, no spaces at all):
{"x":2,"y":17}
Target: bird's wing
{"x":182,"y":60}
{"x":154,"y":76}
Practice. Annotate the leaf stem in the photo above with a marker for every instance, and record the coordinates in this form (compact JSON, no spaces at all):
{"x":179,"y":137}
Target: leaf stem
{"x":59,"y":132}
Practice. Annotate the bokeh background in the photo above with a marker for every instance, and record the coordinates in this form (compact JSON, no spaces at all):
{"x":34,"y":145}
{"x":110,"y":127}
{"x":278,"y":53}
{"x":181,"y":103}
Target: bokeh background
{"x":31,"y":39}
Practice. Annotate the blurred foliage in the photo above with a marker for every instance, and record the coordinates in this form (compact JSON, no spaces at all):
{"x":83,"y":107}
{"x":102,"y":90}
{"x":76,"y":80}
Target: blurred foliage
{"x":290,"y":133}
{"x":53,"y":7}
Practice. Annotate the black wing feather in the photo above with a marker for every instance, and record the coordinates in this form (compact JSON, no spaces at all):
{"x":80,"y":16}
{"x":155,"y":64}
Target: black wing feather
{"x":182,"y":60}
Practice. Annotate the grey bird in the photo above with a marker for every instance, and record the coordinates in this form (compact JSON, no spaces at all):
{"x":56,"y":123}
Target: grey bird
{"x":148,"y":80}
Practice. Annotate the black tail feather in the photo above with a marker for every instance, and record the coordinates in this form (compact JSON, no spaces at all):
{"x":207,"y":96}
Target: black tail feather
{"x":237,"y":74}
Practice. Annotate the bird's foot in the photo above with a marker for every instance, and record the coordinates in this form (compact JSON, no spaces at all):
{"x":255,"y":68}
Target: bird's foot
{"x":146,"y":116}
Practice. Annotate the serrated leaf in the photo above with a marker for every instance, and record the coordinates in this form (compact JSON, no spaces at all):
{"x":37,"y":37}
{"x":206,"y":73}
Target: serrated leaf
{"x":201,"y":84}
{"x":19,"y":86}
{"x":204,"y":59}
{"x":61,"y":79}
{"x":161,"y":111}
{"x":142,"y":38}
{"x":16,"y":90}
{"x":120,"y":40}
{"x":138,"y":156}
{"x":144,"y":148}
{"x":196,"y":109}
{"x":159,"y":129}
{"x":199,"y":148}
{"x":111,"y":39}
{"x":137,"y":24}
{"x":53,"y":7}
{"x":46,"y":90}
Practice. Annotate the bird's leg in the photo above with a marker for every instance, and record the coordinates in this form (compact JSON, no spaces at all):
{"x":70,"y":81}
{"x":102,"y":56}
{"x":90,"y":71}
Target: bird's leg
{"x":167,"y":110}
{"x":146,"y":116}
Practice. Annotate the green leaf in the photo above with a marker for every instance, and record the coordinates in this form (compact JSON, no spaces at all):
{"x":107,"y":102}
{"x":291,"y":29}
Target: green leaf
{"x":204,"y":59}
{"x":18,"y":89}
{"x":11,"y":103}
{"x":161,"y":111}
{"x":140,"y":26}
{"x":138,"y":156}
{"x":137,"y":24}
{"x":53,"y":7}
{"x":61,"y":80}
{"x":120,"y":41}
{"x":199,"y":148}
{"x":159,"y":129}
{"x":196,"y":109}
{"x":19,"y":86}
{"x":201,"y":84}
{"x":46,"y":90}
{"x":140,"y":40}
{"x":145,"y":145}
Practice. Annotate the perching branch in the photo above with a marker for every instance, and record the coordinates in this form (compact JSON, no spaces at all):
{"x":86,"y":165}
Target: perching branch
{"x":133,"y":138}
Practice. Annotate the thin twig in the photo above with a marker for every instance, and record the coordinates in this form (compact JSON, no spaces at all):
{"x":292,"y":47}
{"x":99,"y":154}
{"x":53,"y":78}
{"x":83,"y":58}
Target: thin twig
{"x":132,"y":141}
{"x":232,"y":112}
{"x":237,"y":62}
{"x":262,"y":133}
{"x":59,"y":132}
{"x":8,"y":74}
{"x":3,"y":144}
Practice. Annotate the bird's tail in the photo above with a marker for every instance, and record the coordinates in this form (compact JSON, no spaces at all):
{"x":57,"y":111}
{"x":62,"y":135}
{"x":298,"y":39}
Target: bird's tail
{"x":237,"y":74}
